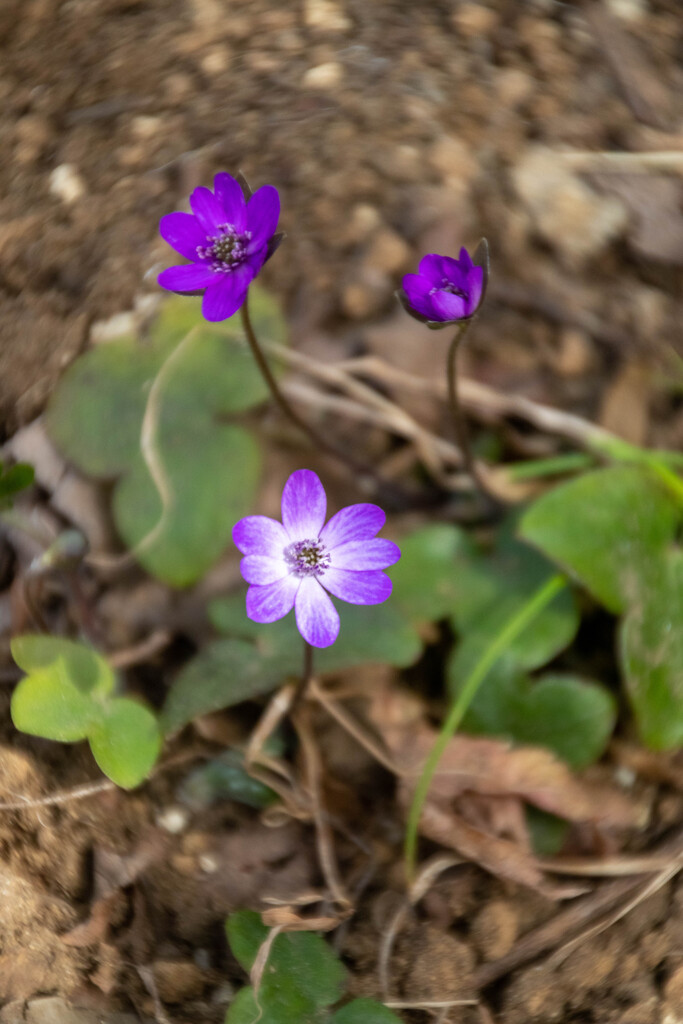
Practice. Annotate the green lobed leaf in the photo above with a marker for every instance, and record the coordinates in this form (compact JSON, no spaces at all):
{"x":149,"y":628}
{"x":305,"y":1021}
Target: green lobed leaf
{"x":224,"y":673}
{"x":426,"y":579}
{"x":257,"y":658}
{"x":68,"y":696}
{"x":302,"y":975}
{"x":16,"y":478}
{"x":95,"y":414}
{"x":364,"y":1011}
{"x":224,"y":778}
{"x":125,"y":741}
{"x":608,"y":528}
{"x":84,"y":667}
{"x":170,"y":396}
{"x":46,"y":703}
{"x":651,"y":653}
{"x":572,"y":716}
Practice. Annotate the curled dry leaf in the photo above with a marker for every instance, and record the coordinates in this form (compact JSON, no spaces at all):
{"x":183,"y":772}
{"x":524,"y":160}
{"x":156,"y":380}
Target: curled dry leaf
{"x":475,"y":803}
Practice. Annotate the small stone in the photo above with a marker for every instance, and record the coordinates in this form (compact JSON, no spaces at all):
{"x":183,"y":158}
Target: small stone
{"x":363,"y":221}
{"x":173,"y":820}
{"x":13,"y":1013}
{"x":366,"y":295}
{"x":474,"y":20}
{"x":398,"y":163}
{"x":145,"y":126}
{"x":388,"y":252}
{"x":494,"y":930}
{"x":323,"y":76}
{"x":120,"y":325}
{"x":33,"y":134}
{"x":326,"y":15}
{"x":178,"y":980}
{"x":672,"y":1009}
{"x":631,"y":11}
{"x":216,"y":61}
{"x":576,"y":355}
{"x":208,"y":863}
{"x":66,"y":183}
{"x":454,"y":162}
{"x":641,"y":1013}
{"x":55,"y":1010}
{"x":177,"y":86}
{"x":564,"y":211}
{"x":514,"y":86}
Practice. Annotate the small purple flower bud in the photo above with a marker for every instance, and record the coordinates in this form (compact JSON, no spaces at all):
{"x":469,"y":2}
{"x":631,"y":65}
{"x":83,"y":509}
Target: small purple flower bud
{"x":227,"y":237}
{"x":446,"y":290}
{"x":299,"y":562}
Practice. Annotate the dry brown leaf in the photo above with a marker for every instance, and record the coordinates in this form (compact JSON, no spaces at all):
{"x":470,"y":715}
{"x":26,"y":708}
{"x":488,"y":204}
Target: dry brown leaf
{"x":94,"y":930}
{"x":496,"y":768}
{"x":502,"y":857}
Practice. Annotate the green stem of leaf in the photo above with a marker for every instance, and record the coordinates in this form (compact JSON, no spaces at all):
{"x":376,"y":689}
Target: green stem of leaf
{"x":509,"y":632}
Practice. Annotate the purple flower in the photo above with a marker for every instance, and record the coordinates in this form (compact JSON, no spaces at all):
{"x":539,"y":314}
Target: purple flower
{"x":294,"y":563}
{"x":228,"y":240}
{"x":444,"y":290}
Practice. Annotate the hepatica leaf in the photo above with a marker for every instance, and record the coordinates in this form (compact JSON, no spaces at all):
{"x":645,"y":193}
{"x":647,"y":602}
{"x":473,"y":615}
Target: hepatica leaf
{"x":68,"y":695}
{"x":155,"y":414}
{"x":256,"y":658}
{"x":651,"y":651}
{"x":572,"y":716}
{"x":427,"y":578}
{"x":364,"y":1011}
{"x":609,"y":528}
{"x":125,"y":741}
{"x":302,"y":977}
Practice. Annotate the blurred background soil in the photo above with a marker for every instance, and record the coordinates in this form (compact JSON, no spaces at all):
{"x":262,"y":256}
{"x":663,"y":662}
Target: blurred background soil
{"x":391,"y":129}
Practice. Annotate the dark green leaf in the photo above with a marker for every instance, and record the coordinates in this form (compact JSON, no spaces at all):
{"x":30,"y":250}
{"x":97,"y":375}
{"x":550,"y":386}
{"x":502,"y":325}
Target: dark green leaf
{"x":364,"y":1011}
{"x":651,"y":652}
{"x":608,"y":528}
{"x":569,"y":715}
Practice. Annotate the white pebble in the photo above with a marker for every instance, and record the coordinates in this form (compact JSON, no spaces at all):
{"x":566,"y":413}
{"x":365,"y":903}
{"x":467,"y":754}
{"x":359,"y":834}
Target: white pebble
{"x":66,"y":183}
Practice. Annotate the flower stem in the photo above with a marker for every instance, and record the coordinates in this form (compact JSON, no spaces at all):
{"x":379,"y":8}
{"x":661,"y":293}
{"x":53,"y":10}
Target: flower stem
{"x":510,"y":631}
{"x":391,"y":491}
{"x":459,"y":426}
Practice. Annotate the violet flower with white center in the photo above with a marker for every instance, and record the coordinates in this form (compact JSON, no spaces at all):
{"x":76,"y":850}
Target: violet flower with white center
{"x":227,"y":239}
{"x":444,"y":290}
{"x":293,"y":564}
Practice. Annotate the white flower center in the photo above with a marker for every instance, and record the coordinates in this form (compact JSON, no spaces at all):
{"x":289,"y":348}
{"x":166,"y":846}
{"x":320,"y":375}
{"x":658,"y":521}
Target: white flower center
{"x":307,"y":557}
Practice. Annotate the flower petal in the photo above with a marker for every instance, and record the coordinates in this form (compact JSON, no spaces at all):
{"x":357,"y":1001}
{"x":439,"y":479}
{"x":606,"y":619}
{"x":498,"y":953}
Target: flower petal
{"x":449,"y":306}
{"x":183,"y":232}
{"x":316,"y":617}
{"x":419,"y":294}
{"x":207,"y":209}
{"x":304,"y":504}
{"x":263,"y":213}
{"x":261,"y":570}
{"x":260,"y":535}
{"x":357,"y":587}
{"x":431,"y":267}
{"x":465,"y":260}
{"x":188,"y":278}
{"x":475,"y":287}
{"x":229,"y":194}
{"x":273,"y":601}
{"x":227,"y":293}
{"x":355,"y":522}
{"x":361,"y":555}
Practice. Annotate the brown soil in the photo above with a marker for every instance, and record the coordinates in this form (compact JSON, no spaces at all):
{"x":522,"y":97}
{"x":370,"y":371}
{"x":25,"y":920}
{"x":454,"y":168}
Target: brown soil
{"x":391,"y":129}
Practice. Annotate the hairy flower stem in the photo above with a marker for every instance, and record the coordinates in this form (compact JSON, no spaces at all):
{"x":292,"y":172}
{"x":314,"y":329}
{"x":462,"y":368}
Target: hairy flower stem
{"x":459,"y":426}
{"x":516,"y":625}
{"x":390,"y":491}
